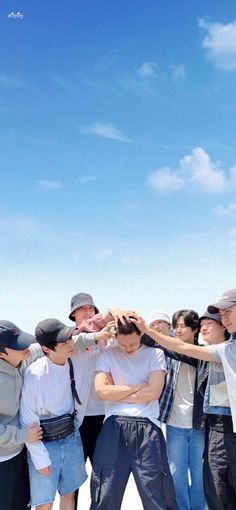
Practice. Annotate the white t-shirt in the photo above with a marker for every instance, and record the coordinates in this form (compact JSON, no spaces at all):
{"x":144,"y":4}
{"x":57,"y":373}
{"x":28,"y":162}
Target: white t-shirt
{"x":226,"y":353}
{"x":131,"y":369}
{"x":182,"y":409}
{"x":47,"y":393}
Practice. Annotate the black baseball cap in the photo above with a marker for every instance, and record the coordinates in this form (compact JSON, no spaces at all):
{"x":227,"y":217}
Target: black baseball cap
{"x":13,"y":337}
{"x":52,"y":330}
{"x":212,"y":316}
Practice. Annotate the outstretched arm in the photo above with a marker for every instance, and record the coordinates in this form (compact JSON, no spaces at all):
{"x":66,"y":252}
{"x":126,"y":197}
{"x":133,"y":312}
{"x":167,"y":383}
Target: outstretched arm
{"x":174,"y":344}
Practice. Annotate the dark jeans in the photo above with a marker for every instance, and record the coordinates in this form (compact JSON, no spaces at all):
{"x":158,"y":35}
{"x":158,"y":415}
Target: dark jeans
{"x":14,"y":483}
{"x":125,"y":445}
{"x":219,"y":469}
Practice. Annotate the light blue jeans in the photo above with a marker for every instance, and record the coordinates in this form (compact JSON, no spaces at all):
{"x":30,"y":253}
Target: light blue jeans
{"x":68,"y":470}
{"x":185,"y":449}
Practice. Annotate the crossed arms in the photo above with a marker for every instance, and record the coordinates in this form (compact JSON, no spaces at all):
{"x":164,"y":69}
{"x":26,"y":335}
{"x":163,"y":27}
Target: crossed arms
{"x":132,"y":394}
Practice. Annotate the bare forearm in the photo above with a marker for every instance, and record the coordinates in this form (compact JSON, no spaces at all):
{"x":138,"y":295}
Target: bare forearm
{"x":176,"y":345}
{"x":146,"y":394}
{"x":116,"y":393}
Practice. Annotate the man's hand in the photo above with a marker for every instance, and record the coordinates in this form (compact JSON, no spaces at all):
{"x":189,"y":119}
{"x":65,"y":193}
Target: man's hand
{"x":45,"y":471}
{"x":119,"y":314}
{"x":106,"y":333}
{"x":140,"y":323}
{"x":35,"y":433}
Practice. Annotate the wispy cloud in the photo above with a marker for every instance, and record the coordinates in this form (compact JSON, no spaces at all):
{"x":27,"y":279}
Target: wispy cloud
{"x":220,"y":43}
{"x":229,"y":210}
{"x":142,"y":80}
{"x":48,"y":184}
{"x":147,"y":69}
{"x":195,"y":170}
{"x":106,"y":131}
{"x":149,"y":77}
{"x":85,"y":179}
{"x":177,"y":71}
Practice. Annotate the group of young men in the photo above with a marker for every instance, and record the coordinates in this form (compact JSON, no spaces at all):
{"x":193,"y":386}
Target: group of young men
{"x":49,"y":402}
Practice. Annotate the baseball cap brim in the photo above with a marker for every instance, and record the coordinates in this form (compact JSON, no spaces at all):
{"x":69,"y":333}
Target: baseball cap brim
{"x":213,"y":316}
{"x":65,"y":334}
{"x":22,"y":341}
{"x":221,"y":305}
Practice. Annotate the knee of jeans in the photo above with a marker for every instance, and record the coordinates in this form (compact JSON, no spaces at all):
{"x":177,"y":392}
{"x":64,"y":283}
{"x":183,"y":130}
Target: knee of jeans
{"x":172,"y":467}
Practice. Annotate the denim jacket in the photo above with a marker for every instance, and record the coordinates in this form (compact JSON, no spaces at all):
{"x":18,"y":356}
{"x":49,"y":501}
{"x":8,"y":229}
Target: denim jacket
{"x":216,"y":396}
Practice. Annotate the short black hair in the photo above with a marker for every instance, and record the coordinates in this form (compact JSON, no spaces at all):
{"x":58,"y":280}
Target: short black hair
{"x":3,"y":349}
{"x":51,"y":346}
{"x":128,"y":328}
{"x":191,"y":320}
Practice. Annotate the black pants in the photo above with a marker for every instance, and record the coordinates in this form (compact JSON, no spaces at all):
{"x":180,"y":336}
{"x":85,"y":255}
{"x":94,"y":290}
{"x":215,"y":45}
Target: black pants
{"x":14,"y":483}
{"x":136,"y":445}
{"x":219,"y":469}
{"x":89,"y":431}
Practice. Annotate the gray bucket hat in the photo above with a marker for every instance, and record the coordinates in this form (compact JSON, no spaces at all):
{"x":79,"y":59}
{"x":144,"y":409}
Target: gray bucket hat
{"x":79,"y":300}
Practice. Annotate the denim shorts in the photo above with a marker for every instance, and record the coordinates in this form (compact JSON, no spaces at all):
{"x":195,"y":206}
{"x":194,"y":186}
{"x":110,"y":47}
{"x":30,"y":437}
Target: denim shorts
{"x":67,"y":474}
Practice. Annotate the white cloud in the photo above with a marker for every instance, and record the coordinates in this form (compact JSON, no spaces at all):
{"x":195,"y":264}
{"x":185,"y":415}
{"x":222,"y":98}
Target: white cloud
{"x":202,"y":173}
{"x":164,"y":179}
{"x":233,"y":173}
{"x":195,"y":170}
{"x":147,"y":69}
{"x":106,"y":131}
{"x":220,"y":44}
{"x":229,"y":210}
{"x":177,"y":71}
{"x":48,"y":184}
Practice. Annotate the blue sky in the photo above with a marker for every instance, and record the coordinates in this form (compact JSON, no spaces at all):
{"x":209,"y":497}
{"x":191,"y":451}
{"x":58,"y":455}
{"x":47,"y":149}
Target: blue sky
{"x":118,"y":160}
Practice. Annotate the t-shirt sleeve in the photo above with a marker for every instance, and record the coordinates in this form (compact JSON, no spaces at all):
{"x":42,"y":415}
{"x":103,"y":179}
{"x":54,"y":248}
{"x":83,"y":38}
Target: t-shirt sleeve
{"x":157,"y":360}
{"x":216,"y":351}
{"x":103,"y":363}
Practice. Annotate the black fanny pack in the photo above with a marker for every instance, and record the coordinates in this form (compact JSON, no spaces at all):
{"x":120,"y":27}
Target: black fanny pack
{"x":58,"y":427}
{"x":62,"y":426}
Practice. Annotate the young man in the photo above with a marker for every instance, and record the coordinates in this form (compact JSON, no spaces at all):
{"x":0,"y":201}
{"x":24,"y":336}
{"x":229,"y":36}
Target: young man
{"x":225,"y":353}
{"x":56,"y":464}
{"x":16,"y":352}
{"x":130,"y":379}
{"x":160,"y":321}
{"x":82,"y":308}
{"x":217,"y":476}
